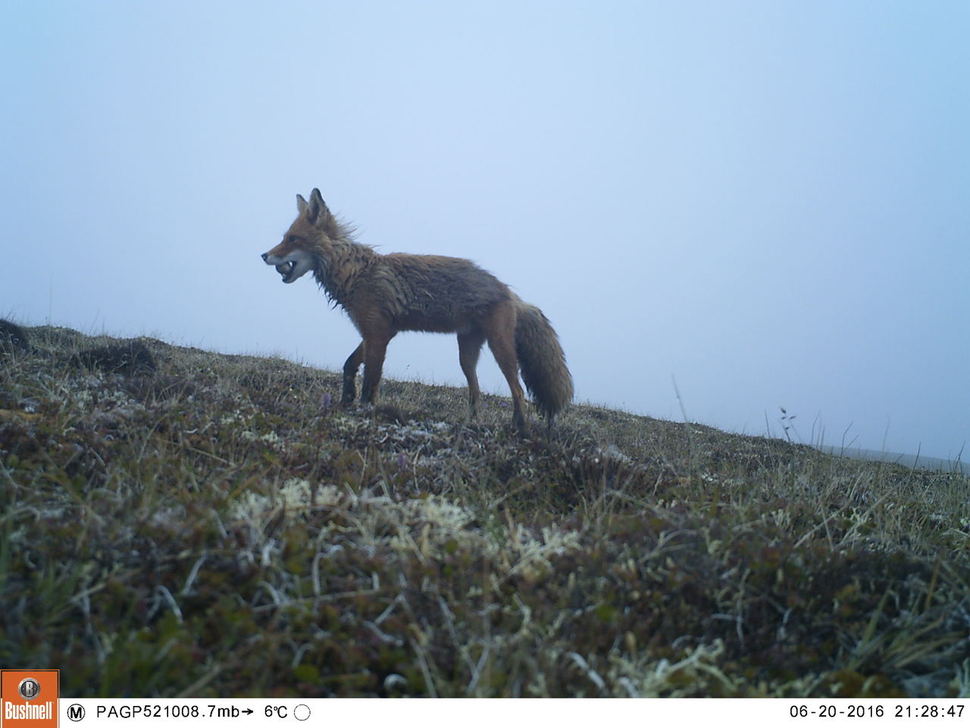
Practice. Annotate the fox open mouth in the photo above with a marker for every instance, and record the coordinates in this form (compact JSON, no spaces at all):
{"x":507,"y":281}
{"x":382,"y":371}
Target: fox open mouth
{"x":286,"y":270}
{"x":291,"y":266}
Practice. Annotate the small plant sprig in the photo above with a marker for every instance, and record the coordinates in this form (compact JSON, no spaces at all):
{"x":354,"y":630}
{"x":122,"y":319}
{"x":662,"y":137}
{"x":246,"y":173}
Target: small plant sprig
{"x":788,"y":424}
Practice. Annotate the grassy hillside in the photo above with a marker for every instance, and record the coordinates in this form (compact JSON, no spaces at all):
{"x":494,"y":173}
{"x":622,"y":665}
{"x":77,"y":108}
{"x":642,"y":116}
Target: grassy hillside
{"x":911,"y":461}
{"x":179,"y":522}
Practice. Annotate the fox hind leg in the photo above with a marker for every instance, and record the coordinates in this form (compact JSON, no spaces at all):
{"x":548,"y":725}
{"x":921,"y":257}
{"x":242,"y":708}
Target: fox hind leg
{"x":500,"y":331}
{"x":469,"y":347}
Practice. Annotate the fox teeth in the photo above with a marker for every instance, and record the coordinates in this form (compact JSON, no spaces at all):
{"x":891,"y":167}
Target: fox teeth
{"x":285,"y":268}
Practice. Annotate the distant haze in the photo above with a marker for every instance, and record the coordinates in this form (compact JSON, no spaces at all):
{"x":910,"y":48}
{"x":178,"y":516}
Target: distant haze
{"x":766,"y":202}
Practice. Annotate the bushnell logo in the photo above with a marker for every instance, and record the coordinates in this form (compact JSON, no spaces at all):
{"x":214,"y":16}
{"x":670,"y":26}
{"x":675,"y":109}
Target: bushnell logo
{"x":28,"y":688}
{"x":29,"y":698}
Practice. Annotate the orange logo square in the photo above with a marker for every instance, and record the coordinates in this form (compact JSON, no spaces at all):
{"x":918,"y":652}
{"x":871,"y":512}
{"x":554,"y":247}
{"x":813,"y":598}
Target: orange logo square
{"x":28,"y":698}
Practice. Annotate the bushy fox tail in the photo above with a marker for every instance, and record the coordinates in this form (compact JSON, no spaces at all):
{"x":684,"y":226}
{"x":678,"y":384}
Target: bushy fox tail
{"x":541,"y":360}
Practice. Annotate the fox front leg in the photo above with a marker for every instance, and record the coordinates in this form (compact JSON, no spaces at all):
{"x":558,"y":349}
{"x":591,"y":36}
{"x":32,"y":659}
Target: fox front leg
{"x":374,"y":350}
{"x":350,"y":375}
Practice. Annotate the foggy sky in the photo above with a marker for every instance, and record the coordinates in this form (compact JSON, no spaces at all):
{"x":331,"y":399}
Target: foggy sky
{"x":766,"y":202}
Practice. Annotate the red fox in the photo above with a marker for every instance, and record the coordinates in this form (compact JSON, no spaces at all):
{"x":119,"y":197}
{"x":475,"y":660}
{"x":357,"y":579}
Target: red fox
{"x":385,"y":294}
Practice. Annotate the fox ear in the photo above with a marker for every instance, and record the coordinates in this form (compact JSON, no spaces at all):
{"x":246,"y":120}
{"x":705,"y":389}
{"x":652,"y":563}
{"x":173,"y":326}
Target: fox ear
{"x":300,"y":204}
{"x":317,"y":209}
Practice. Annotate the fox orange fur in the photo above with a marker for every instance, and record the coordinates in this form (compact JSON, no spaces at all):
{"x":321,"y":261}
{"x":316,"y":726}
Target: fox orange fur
{"x":385,"y":294}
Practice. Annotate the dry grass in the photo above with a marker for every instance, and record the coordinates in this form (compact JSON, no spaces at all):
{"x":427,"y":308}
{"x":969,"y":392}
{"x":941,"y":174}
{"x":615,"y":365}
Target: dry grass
{"x":178,"y":522}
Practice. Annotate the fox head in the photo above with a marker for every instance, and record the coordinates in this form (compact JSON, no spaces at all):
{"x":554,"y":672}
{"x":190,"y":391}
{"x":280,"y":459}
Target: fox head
{"x":311,"y":230}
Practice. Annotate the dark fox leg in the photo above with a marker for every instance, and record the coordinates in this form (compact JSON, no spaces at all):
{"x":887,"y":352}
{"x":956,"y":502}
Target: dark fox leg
{"x":500,"y":330}
{"x":375,"y":347}
{"x":350,"y":375}
{"x":469,"y":347}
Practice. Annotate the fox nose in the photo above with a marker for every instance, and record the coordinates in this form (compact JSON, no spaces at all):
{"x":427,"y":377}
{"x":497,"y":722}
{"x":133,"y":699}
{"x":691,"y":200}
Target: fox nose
{"x":263,"y":256}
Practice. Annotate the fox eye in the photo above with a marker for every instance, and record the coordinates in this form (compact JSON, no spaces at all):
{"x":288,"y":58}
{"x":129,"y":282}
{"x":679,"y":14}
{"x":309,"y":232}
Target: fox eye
{"x":291,"y":238}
